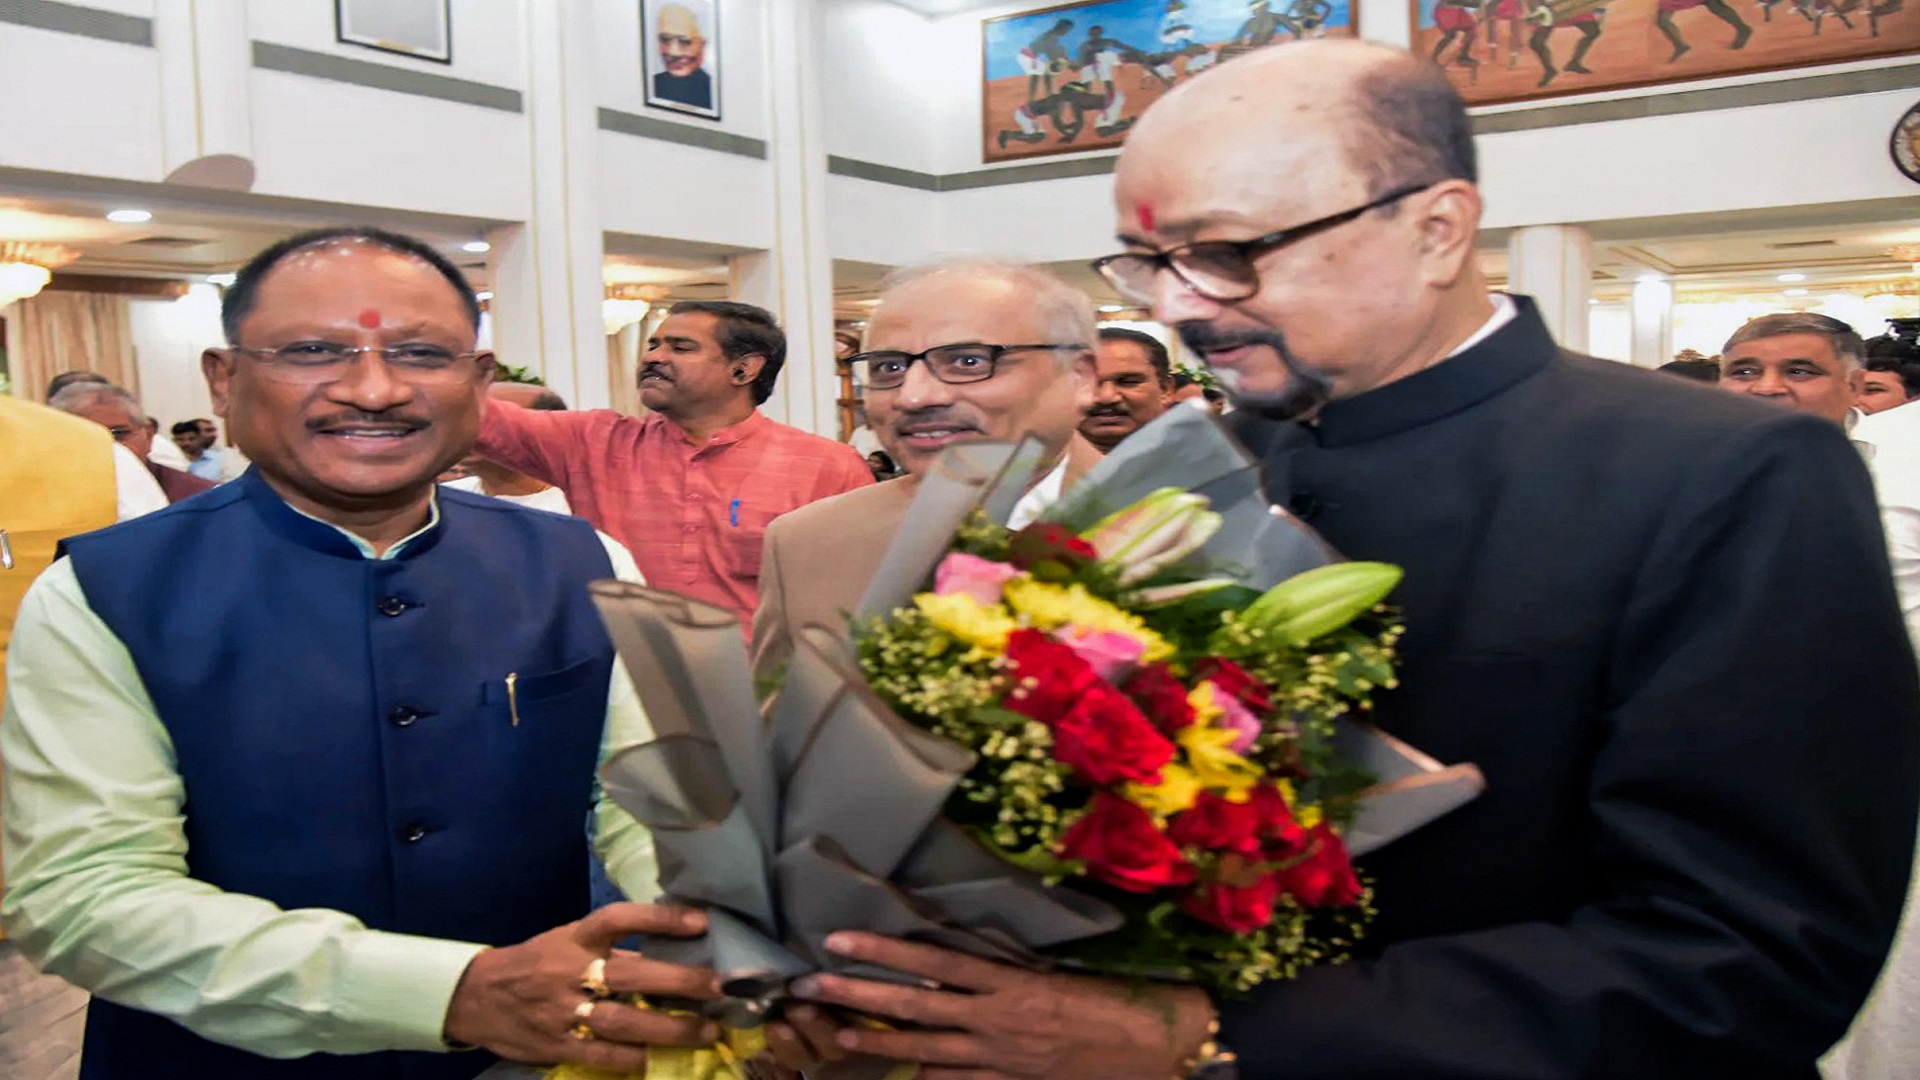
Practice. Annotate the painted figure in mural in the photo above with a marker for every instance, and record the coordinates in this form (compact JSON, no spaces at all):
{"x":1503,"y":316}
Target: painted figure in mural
{"x":1581,"y":15}
{"x":1044,"y":57}
{"x":683,"y":56}
{"x":1176,"y":41}
{"x":1514,"y":14}
{"x":1100,"y":59}
{"x":1664,"y":20}
{"x":1066,"y":109}
{"x":1457,"y":20}
{"x":1262,"y":25}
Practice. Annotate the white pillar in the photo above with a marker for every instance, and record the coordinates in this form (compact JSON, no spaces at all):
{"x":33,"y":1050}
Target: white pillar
{"x":206,"y":115}
{"x":546,"y":271}
{"x":1652,"y":320}
{"x":795,"y":279}
{"x":1554,"y":265}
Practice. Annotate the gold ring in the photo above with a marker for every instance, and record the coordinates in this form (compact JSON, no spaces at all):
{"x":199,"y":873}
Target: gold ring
{"x":583,"y":1012}
{"x":581,"y":1031}
{"x":594,"y":981}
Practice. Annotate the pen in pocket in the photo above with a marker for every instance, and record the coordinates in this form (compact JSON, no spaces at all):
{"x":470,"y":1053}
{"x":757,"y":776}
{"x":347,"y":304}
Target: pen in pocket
{"x":513,"y":697}
{"x":733,"y":514}
{"x":6,"y":552}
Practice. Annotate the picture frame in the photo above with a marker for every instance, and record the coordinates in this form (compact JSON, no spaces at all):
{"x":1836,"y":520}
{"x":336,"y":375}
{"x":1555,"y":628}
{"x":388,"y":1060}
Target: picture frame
{"x":1521,"y":50}
{"x":1074,"y":77}
{"x":680,"y":56}
{"x":1904,"y":143}
{"x":422,"y":29}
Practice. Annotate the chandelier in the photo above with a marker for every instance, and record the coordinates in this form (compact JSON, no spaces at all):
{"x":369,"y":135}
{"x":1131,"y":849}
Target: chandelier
{"x":628,"y":304}
{"x":25,"y":268}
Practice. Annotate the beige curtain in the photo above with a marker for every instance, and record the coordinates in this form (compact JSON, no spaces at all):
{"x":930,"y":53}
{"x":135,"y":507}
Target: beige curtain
{"x":69,"y":331}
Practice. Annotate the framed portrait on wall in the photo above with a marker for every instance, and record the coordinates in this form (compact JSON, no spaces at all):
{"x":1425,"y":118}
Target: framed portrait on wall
{"x":418,"y":28}
{"x":1514,"y":50}
{"x":1074,"y":77}
{"x":680,"y":55}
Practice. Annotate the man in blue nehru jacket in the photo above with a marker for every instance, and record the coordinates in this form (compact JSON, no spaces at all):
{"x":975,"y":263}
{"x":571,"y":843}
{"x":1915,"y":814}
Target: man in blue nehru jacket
{"x":295,"y":772}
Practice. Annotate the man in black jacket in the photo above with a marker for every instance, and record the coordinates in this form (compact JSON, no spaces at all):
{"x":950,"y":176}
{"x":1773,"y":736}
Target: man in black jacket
{"x":1659,"y":619}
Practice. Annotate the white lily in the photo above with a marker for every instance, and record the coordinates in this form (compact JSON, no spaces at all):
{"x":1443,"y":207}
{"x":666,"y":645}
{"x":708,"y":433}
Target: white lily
{"x":1162,"y":595}
{"x":1154,"y":533}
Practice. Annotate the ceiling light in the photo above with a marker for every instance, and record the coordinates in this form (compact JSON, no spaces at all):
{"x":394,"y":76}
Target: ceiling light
{"x":222,"y":280}
{"x":618,"y":314}
{"x":1794,"y":276}
{"x":483,"y":297}
{"x":478,"y":247}
{"x":1650,"y":278}
{"x":1796,"y":292}
{"x":130,"y":216}
{"x":25,"y":268}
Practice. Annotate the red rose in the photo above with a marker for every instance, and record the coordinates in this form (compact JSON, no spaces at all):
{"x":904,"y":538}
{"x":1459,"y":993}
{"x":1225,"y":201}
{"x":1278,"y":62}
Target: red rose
{"x":1105,"y":739}
{"x":1235,"y":682}
{"x":1162,"y":696}
{"x":1324,"y":877}
{"x":1050,"y":552}
{"x":1120,"y":846}
{"x":1217,"y":824}
{"x":1048,"y":677}
{"x":1280,"y":834}
{"x":1234,"y":908}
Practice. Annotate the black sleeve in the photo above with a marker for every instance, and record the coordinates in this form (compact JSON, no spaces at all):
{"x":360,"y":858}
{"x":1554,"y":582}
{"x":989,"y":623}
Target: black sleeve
{"x":1752,"y":793}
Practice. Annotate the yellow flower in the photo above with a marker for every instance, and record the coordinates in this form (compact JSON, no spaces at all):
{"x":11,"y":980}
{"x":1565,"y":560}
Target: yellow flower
{"x":1176,"y":791}
{"x":1205,"y":709}
{"x":1215,"y":764}
{"x":1309,"y":815}
{"x":1048,"y":606}
{"x":984,"y":628}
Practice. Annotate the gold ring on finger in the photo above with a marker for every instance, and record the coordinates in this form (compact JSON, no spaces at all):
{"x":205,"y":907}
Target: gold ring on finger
{"x":582,"y":1028}
{"x":594,"y":979}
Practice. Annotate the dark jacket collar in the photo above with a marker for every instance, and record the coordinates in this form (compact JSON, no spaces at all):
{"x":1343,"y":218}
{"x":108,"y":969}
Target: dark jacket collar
{"x":318,"y":535}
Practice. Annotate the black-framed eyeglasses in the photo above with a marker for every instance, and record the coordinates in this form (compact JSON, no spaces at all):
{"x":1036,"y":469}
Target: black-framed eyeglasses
{"x":315,"y":362}
{"x":964,"y":362}
{"x":1222,"y":270}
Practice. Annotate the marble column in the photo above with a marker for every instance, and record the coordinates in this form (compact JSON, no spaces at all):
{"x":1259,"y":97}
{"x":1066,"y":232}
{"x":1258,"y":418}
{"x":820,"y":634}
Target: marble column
{"x":206,"y":113}
{"x":547,"y":285}
{"x":1554,"y":265}
{"x":1652,"y":314}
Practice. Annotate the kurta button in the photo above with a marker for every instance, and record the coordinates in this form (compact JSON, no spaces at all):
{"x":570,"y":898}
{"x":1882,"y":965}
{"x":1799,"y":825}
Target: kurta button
{"x":413,"y":832}
{"x":390,"y":606}
{"x":403,"y":715}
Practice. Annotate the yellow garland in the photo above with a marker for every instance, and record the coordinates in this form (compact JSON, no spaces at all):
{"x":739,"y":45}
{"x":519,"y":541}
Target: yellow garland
{"x":1309,"y":815}
{"x":1048,"y":606}
{"x":725,"y":1059}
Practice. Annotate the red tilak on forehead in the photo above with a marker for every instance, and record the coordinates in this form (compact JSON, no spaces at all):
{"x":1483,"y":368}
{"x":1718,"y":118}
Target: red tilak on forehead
{"x":1144,"y":211}
{"x":370,"y":319}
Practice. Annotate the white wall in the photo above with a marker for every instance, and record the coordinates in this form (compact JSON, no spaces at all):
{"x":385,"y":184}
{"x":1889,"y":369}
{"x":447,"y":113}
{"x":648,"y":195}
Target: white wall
{"x":885,"y":85}
{"x":486,"y":38}
{"x":882,"y":223}
{"x":79,"y":105}
{"x":168,"y":338}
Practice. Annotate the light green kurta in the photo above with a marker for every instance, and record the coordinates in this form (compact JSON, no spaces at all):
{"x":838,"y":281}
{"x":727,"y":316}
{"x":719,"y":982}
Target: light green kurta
{"x":97,"y":889}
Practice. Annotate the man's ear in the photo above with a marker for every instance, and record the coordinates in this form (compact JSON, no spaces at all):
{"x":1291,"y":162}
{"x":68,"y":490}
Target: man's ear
{"x":488,"y":367}
{"x":1085,"y":375}
{"x":747,"y":368}
{"x":1856,"y":381}
{"x":1449,"y":219}
{"x":217,"y":366}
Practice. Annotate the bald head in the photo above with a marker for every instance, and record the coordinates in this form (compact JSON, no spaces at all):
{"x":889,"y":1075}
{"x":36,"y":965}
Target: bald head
{"x":1387,"y":115}
{"x":1321,"y":197}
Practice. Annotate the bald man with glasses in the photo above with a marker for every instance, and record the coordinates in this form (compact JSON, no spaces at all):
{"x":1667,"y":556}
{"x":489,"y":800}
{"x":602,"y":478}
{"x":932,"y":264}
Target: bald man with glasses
{"x":956,"y":352}
{"x":1658,"y":617}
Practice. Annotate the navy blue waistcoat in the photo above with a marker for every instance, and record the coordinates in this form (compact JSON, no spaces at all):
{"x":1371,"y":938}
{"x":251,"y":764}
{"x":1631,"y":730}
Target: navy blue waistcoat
{"x":345,"y":735}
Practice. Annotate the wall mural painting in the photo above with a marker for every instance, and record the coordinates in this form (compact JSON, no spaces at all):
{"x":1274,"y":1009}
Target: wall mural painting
{"x":1511,"y":50}
{"x":1073,"y":78}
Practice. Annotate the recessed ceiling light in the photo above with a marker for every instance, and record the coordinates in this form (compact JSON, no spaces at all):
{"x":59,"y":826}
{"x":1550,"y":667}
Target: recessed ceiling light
{"x":1593,"y":299}
{"x":1794,"y":276}
{"x":476,"y":246}
{"x":129,"y":216}
{"x":1796,"y":292}
{"x":483,"y":297}
{"x":222,"y":280}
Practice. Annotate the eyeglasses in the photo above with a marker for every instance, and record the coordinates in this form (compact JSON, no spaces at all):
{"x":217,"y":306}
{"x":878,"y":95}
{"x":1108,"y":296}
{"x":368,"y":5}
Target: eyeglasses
{"x":963,"y":363}
{"x":121,"y":433}
{"x":1222,"y":270}
{"x":314,"y":362}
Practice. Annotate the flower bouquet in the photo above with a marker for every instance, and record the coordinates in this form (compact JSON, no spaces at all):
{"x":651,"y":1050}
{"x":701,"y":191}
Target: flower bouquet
{"x":1118,"y":740}
{"x":1157,"y":735}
